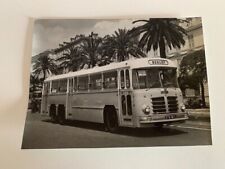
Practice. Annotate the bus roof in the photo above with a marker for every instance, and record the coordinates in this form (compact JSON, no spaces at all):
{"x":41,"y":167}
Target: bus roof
{"x":132,"y":64}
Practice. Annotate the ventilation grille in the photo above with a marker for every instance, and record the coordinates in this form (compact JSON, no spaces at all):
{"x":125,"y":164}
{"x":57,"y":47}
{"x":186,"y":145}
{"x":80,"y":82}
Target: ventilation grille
{"x":159,"y":105}
{"x":172,"y":104}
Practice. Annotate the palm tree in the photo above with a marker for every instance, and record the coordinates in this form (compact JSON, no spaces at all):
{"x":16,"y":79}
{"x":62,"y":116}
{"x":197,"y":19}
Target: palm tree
{"x":159,"y":32}
{"x":73,"y":42}
{"x":122,"y":45}
{"x":90,"y":47}
{"x":44,"y":65}
{"x":35,"y":83}
{"x":35,"y":87}
{"x":72,"y":59}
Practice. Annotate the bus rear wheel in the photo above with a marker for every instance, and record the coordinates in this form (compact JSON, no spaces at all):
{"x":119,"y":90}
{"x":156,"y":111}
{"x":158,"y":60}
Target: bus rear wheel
{"x":111,"y":120}
{"x":53,"y":113}
{"x":61,"y":114}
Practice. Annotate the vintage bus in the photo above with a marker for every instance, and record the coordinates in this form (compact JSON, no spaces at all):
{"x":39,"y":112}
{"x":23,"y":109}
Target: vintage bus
{"x":135,"y":93}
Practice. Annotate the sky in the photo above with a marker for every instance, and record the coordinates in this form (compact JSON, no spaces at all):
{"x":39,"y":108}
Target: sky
{"x":49,"y":33}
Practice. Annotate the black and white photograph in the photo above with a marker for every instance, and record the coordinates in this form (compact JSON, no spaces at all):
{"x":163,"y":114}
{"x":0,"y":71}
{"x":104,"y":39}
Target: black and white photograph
{"x":109,"y":83}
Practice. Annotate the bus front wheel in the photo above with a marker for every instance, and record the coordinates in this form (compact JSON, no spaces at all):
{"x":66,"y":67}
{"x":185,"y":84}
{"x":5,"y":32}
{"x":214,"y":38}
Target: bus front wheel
{"x":110,"y":119}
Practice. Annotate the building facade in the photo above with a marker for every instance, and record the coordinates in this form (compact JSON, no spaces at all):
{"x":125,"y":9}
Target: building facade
{"x":193,"y":42}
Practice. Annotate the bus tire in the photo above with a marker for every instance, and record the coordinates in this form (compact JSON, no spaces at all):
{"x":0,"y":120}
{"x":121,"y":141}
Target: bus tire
{"x":111,"y":119}
{"x":53,"y":113}
{"x":61,"y":114}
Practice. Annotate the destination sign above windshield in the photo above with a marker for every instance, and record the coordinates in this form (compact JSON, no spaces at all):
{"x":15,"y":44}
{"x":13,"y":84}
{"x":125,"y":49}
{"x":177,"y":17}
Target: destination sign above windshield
{"x":158,"y":62}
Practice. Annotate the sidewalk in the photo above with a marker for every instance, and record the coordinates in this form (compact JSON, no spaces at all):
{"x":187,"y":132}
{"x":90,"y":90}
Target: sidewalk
{"x":199,"y":114}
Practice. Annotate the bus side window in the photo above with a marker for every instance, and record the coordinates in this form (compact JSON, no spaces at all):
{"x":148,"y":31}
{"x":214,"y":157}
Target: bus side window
{"x":54,"y":88}
{"x":142,"y":78}
{"x":70,"y":85}
{"x":46,"y":87}
{"x":63,"y":85}
{"x":83,"y":83}
{"x":75,"y":84}
{"x":127,"y":79}
{"x":122,"y":79}
{"x":135,"y":79}
{"x":110,"y":80}
{"x":96,"y":82}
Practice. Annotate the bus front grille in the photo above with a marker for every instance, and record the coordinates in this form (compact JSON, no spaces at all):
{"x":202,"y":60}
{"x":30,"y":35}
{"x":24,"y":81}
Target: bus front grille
{"x":172,"y":104}
{"x":159,"y":105}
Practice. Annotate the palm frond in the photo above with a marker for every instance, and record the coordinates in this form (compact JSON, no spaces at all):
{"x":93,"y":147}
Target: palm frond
{"x":155,"y":30}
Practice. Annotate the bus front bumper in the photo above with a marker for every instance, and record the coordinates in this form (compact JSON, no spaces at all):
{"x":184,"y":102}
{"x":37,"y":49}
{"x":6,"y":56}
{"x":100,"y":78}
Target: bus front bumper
{"x":146,"y":121}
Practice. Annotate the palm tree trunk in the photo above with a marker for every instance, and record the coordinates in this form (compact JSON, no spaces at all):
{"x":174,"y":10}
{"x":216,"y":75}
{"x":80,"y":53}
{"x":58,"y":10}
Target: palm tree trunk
{"x":202,"y":94}
{"x":93,"y":59}
{"x":44,"y":72}
{"x":162,"y":48}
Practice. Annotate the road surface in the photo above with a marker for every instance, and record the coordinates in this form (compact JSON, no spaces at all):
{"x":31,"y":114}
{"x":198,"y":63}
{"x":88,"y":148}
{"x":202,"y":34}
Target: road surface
{"x":41,"y":133}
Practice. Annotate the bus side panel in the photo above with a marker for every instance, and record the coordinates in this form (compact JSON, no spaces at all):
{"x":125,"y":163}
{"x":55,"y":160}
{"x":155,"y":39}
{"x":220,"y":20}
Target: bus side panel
{"x":57,"y":99}
{"x":90,"y":106}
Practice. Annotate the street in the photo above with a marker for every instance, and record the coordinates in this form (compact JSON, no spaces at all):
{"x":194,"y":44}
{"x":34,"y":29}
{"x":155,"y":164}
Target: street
{"x":41,"y":133}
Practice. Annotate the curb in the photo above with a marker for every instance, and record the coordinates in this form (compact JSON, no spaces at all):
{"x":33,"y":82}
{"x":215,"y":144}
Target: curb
{"x":199,"y":114}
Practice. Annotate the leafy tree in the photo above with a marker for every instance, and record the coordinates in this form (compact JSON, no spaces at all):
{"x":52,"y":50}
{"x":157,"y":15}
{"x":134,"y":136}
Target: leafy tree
{"x":193,"y":72}
{"x":44,"y":65}
{"x":121,"y":45}
{"x":158,"y":32}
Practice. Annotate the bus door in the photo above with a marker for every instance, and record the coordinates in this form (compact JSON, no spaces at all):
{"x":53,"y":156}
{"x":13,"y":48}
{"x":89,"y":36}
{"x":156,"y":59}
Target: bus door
{"x":125,"y":98}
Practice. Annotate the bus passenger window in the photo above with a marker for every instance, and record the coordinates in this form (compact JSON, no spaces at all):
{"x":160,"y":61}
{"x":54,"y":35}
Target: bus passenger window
{"x":63,"y":85}
{"x":122,"y":79}
{"x":110,"y":80}
{"x":54,"y":88}
{"x":135,"y":79}
{"x":83,"y":83}
{"x":127,"y":79}
{"x":70,"y":85}
{"x":141,"y":77}
{"x":96,"y":82}
{"x":46,"y":87}
{"x":75,"y":84}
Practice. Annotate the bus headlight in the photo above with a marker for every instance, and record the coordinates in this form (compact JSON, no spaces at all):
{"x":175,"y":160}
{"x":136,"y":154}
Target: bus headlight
{"x":146,"y":109}
{"x":183,"y":108}
{"x":145,"y":118}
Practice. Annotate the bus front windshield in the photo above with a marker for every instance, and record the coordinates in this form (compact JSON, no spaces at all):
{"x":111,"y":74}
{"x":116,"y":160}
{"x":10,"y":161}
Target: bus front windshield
{"x":154,"y":78}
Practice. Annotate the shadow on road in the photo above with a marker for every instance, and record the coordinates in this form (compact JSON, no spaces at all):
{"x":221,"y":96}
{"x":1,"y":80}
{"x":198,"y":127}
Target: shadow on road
{"x":137,"y":132}
{"x":150,"y":132}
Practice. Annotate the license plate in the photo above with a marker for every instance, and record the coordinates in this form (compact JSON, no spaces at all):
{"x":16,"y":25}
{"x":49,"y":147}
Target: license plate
{"x":170,"y":117}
